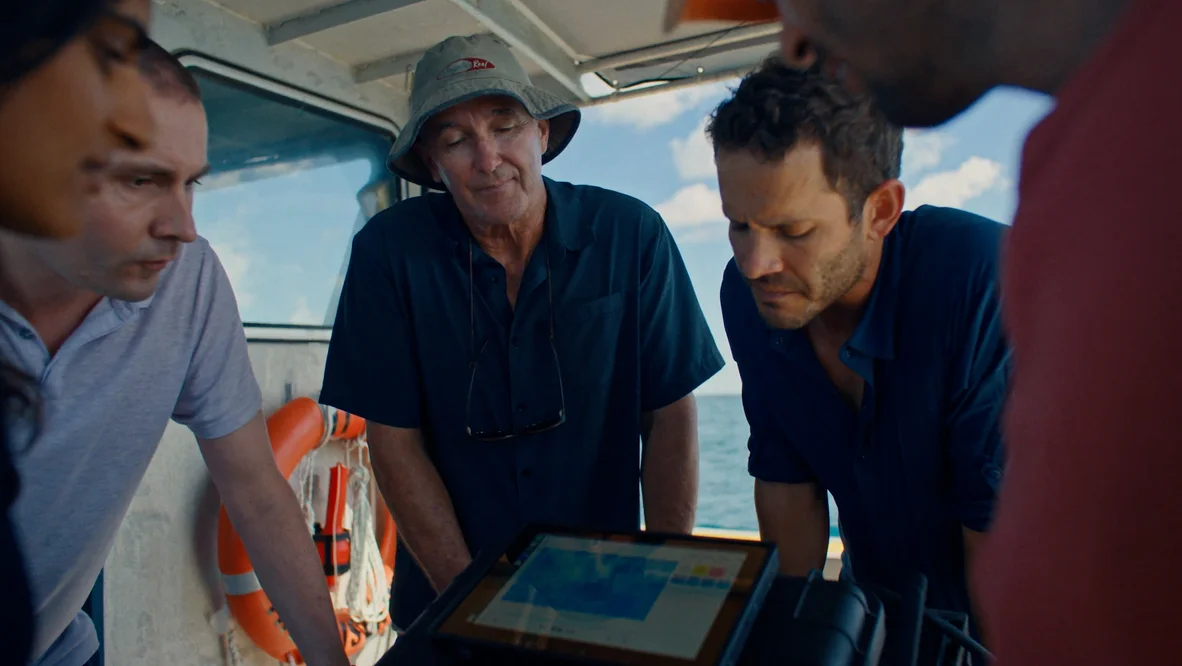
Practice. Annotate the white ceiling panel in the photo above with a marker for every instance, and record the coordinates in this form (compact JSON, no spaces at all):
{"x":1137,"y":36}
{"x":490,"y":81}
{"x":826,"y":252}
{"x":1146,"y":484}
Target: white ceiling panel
{"x":413,"y":28}
{"x":267,"y":11}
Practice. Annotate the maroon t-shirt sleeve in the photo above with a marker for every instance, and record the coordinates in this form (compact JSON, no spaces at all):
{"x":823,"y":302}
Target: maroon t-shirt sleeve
{"x":1084,"y":562}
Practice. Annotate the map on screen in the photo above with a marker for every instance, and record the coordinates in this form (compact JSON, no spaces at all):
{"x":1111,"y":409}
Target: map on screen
{"x":650,"y":598}
{"x":605,"y":584}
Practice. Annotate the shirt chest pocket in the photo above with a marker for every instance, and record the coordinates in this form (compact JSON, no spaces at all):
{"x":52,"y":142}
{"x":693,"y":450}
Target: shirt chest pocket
{"x":587,"y":335}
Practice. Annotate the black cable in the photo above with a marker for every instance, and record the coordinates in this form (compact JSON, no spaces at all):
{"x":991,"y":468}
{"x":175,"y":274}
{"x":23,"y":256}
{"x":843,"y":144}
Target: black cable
{"x":664,"y":77}
{"x":958,"y":636}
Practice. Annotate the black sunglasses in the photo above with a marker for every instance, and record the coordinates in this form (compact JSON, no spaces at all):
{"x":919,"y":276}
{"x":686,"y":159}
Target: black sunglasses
{"x":533,"y":429}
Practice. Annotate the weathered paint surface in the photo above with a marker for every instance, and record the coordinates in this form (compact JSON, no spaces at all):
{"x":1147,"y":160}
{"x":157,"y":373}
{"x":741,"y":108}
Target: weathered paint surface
{"x":202,"y":27}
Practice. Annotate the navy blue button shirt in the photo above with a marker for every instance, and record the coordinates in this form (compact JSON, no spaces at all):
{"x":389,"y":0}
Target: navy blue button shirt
{"x":630,"y":338}
{"x":923,"y":455}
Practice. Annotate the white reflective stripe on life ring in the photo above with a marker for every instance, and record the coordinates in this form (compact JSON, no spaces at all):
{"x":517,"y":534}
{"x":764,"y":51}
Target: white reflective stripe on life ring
{"x":241,"y":584}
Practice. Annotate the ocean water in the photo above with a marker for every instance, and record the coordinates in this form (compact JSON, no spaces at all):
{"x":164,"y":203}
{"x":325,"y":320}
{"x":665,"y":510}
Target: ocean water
{"x":726,"y":491}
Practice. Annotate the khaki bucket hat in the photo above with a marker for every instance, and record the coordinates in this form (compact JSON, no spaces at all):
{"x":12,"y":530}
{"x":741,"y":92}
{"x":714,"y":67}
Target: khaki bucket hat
{"x":462,"y":68}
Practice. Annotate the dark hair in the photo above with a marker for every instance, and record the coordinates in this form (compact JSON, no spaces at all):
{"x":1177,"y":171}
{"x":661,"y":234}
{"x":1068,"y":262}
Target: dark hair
{"x":776,"y":108}
{"x":32,"y":32}
{"x":167,"y":76}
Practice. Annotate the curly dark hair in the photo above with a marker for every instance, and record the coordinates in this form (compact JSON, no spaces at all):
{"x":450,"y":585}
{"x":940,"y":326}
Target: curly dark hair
{"x":776,"y":108}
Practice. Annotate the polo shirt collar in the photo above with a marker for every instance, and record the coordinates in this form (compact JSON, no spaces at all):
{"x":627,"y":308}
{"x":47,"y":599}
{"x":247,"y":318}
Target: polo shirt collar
{"x":875,"y":334}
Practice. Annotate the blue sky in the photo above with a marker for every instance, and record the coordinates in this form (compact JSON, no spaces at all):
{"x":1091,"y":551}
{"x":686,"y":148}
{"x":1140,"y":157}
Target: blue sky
{"x":282,"y":239}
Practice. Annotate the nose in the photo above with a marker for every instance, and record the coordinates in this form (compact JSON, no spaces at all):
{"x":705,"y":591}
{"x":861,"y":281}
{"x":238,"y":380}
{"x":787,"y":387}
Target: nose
{"x":488,"y":154}
{"x":797,"y":49}
{"x":176,"y":223}
{"x":130,"y":119}
{"x":757,"y":256}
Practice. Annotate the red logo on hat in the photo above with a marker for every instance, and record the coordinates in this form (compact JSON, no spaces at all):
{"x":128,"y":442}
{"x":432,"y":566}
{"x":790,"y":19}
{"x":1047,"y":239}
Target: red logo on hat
{"x":464,"y":65}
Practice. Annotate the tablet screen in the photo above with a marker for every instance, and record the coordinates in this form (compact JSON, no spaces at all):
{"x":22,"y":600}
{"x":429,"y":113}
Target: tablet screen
{"x":576,"y":593}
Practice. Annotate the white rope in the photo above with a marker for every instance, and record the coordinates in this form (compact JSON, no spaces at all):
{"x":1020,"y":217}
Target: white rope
{"x":368,"y":593}
{"x":303,"y":479}
{"x":223,"y":624}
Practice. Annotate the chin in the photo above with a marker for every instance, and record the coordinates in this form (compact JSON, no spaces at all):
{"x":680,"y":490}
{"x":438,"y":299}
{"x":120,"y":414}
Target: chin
{"x":908,"y":107}
{"x":133,"y":291}
{"x":781,"y":320}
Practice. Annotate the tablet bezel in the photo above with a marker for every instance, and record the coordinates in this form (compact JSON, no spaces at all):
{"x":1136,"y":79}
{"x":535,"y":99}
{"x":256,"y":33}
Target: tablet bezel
{"x":453,"y":623}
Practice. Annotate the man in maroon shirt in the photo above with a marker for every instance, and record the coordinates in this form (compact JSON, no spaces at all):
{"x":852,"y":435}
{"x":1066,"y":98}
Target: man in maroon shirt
{"x":1082,"y":562}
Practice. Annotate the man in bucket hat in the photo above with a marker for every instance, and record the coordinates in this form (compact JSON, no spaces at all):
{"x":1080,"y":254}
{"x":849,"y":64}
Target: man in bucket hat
{"x":524,"y":350}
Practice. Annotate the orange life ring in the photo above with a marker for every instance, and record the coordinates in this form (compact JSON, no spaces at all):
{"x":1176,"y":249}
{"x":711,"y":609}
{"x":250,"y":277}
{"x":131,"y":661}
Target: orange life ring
{"x":296,"y":429}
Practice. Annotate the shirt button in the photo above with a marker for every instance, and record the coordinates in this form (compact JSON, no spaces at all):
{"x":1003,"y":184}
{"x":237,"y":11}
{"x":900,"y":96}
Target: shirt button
{"x":27,"y":334}
{"x":526,"y":473}
{"x":521,"y":406}
{"x":516,"y":342}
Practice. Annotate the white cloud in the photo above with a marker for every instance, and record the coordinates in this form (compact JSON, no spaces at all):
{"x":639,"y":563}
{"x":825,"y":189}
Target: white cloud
{"x":230,"y":242}
{"x":656,"y":109}
{"x":249,"y":174}
{"x":924,"y":150}
{"x":974,"y":177}
{"x":691,"y":206}
{"x":704,"y":233}
{"x":694,"y":156}
{"x":302,"y":314}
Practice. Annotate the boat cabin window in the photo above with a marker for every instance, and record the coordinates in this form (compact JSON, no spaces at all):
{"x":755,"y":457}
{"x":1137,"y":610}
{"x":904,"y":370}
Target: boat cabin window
{"x":290,"y":186}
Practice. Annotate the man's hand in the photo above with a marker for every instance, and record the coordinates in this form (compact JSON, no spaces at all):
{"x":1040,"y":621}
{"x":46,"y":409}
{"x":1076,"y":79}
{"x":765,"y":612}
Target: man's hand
{"x":265,"y":513}
{"x":670,"y":467}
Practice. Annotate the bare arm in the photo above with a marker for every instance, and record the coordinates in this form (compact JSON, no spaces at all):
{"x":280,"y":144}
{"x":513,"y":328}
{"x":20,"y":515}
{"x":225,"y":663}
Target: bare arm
{"x":796,"y":517}
{"x":266,"y":514}
{"x":670,"y":463}
{"x":973,"y":542}
{"x":419,"y":503}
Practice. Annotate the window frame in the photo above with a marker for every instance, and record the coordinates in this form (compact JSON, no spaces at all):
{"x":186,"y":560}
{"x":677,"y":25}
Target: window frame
{"x":267,"y":87}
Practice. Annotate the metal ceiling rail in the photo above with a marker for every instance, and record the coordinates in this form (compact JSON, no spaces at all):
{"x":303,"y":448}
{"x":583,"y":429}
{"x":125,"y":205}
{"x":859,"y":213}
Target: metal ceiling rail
{"x":770,"y":41}
{"x":679,"y":47}
{"x":403,"y":64}
{"x":326,"y":18}
{"x":676,"y":84}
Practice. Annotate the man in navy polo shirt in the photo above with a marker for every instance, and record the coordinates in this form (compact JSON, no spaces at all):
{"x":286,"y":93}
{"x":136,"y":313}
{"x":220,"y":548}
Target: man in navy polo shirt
{"x":868,"y":339}
{"x":513,"y":341}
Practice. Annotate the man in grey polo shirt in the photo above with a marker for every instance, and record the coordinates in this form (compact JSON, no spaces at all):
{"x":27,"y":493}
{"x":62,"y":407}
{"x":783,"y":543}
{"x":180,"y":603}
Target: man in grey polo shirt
{"x":129,"y":325}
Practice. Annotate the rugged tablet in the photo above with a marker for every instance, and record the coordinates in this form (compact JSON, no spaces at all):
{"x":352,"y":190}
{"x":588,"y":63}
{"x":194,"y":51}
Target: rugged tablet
{"x":614,"y":598}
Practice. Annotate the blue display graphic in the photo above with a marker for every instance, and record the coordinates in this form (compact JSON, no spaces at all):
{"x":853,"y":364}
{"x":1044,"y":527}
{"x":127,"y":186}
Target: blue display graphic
{"x":608,"y":585}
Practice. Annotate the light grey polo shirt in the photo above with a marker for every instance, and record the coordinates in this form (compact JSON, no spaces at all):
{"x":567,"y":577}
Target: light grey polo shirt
{"x":108,"y":395}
